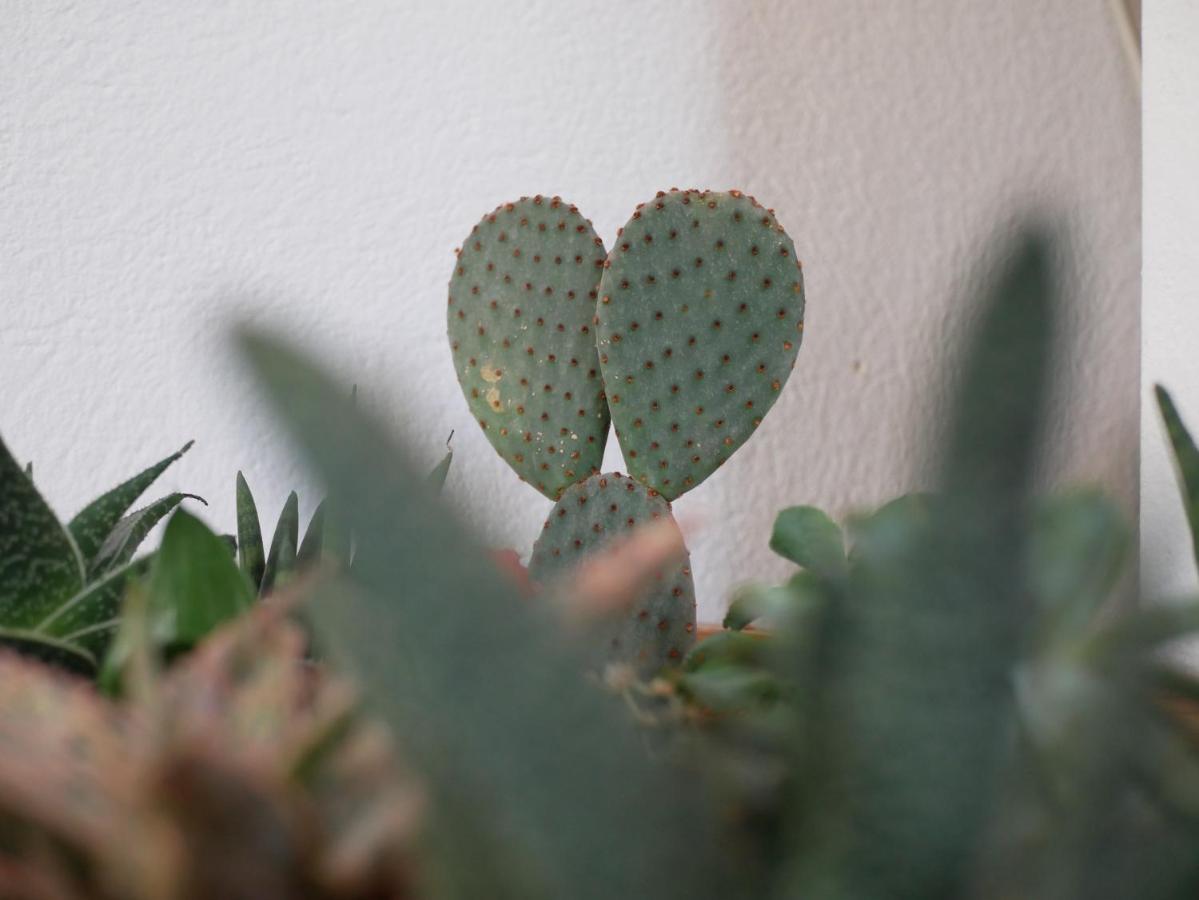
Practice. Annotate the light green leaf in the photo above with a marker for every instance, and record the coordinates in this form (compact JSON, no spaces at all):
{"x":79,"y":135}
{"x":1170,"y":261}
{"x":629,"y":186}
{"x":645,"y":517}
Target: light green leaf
{"x":92,"y":526}
{"x":194,"y":584}
{"x":489,"y":696}
{"x":809,"y":538}
{"x":281,"y":560}
{"x":40,"y":565}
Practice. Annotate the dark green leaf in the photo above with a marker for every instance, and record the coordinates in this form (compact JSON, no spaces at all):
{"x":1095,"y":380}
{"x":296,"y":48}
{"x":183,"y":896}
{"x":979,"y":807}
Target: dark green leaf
{"x":490,"y":698}
{"x":314,"y":537}
{"x":809,"y":538}
{"x":729,"y":688}
{"x":58,"y":653}
{"x":1186,"y":461}
{"x":90,"y":619}
{"x":40,"y":566}
{"x":281,"y":560}
{"x":91,"y":527}
{"x":124,"y":539}
{"x":250,"y":554}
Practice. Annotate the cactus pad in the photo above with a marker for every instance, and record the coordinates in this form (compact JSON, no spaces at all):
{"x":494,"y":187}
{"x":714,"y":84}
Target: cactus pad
{"x":660,"y":627}
{"x":521,"y":309}
{"x":699,"y":321}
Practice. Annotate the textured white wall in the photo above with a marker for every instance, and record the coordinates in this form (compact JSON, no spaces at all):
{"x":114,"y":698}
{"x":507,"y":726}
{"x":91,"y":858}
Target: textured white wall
{"x":1171,"y":282}
{"x":167,"y":168}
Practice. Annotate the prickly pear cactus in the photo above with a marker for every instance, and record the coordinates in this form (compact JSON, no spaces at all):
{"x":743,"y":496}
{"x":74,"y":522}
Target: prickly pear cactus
{"x":699,"y":321}
{"x":660,"y":627}
{"x":521,"y":308}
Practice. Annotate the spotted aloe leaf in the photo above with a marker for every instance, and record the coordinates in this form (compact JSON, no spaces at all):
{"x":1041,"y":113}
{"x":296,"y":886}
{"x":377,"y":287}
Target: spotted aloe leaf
{"x":40,"y":563}
{"x":92,"y":526}
{"x":122,"y":542}
{"x":282,"y":557}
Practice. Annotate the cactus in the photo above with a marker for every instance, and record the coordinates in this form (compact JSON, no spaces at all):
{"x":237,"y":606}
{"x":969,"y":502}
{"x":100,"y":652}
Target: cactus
{"x":521,"y":304}
{"x":61,"y":586}
{"x":660,"y":628}
{"x":700,"y":318}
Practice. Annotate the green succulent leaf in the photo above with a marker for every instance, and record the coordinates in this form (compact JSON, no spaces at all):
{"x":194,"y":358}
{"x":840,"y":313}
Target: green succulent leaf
{"x":729,"y":688}
{"x":1186,"y":459}
{"x":194,"y":584}
{"x":90,"y":619}
{"x":40,"y":565}
{"x":250,"y":554}
{"x":487,"y":692}
{"x":909,"y":723}
{"x":92,"y":526}
{"x":126,"y":536}
{"x":314,"y":537}
{"x":1076,"y":552}
{"x":809,"y":538}
{"x":282,"y":557}
{"x":725,"y":648}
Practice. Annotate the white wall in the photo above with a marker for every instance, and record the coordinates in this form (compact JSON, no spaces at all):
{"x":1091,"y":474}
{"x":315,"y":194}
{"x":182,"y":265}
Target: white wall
{"x":1170,"y":320}
{"x":167,"y":167}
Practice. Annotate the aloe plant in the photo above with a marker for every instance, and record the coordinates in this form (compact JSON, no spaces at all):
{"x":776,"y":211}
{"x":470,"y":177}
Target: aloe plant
{"x":61,"y":585}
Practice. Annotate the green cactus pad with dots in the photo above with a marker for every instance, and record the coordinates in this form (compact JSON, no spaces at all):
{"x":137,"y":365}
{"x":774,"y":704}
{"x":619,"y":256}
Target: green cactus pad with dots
{"x":659,"y":628}
{"x":521,"y":328}
{"x":698,"y":324}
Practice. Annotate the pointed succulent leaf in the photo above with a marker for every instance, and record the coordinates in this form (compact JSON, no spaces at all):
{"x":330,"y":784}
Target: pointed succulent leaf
{"x":250,"y":555}
{"x":282,"y":556}
{"x":699,"y":321}
{"x":314,"y":537}
{"x":194,"y":584}
{"x":1186,"y":461}
{"x":753,"y":602}
{"x":92,"y":526}
{"x":488,"y":694}
{"x":441,"y":470}
{"x":521,"y":304}
{"x":40,"y":566}
{"x":809,"y":538}
{"x":29,"y":470}
{"x":122,"y":542}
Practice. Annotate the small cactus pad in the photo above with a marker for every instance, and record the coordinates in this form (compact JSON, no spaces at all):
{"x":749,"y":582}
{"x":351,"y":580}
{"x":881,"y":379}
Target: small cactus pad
{"x":660,"y":627}
{"x":699,"y":320}
{"x":521,"y":310}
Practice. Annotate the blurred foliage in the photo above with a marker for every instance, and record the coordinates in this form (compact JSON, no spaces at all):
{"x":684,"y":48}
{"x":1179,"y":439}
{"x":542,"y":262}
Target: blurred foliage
{"x":947,"y":698}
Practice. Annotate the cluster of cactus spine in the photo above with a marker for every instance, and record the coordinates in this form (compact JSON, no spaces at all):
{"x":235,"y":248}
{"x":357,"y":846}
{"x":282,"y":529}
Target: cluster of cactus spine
{"x":681,"y":337}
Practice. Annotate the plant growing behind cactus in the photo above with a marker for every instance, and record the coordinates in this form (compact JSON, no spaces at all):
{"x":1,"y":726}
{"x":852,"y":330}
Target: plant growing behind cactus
{"x":61,"y":586}
{"x":682,"y":335}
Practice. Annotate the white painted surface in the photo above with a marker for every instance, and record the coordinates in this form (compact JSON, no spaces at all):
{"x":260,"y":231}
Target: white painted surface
{"x":1171,"y":282}
{"x":168,"y":168}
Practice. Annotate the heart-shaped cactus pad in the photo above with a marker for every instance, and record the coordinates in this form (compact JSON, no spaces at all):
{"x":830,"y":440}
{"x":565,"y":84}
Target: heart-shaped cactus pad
{"x":699,"y":320}
{"x":521,"y":328}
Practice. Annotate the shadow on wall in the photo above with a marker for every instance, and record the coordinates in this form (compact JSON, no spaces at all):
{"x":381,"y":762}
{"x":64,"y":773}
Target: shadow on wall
{"x":892,"y":141}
